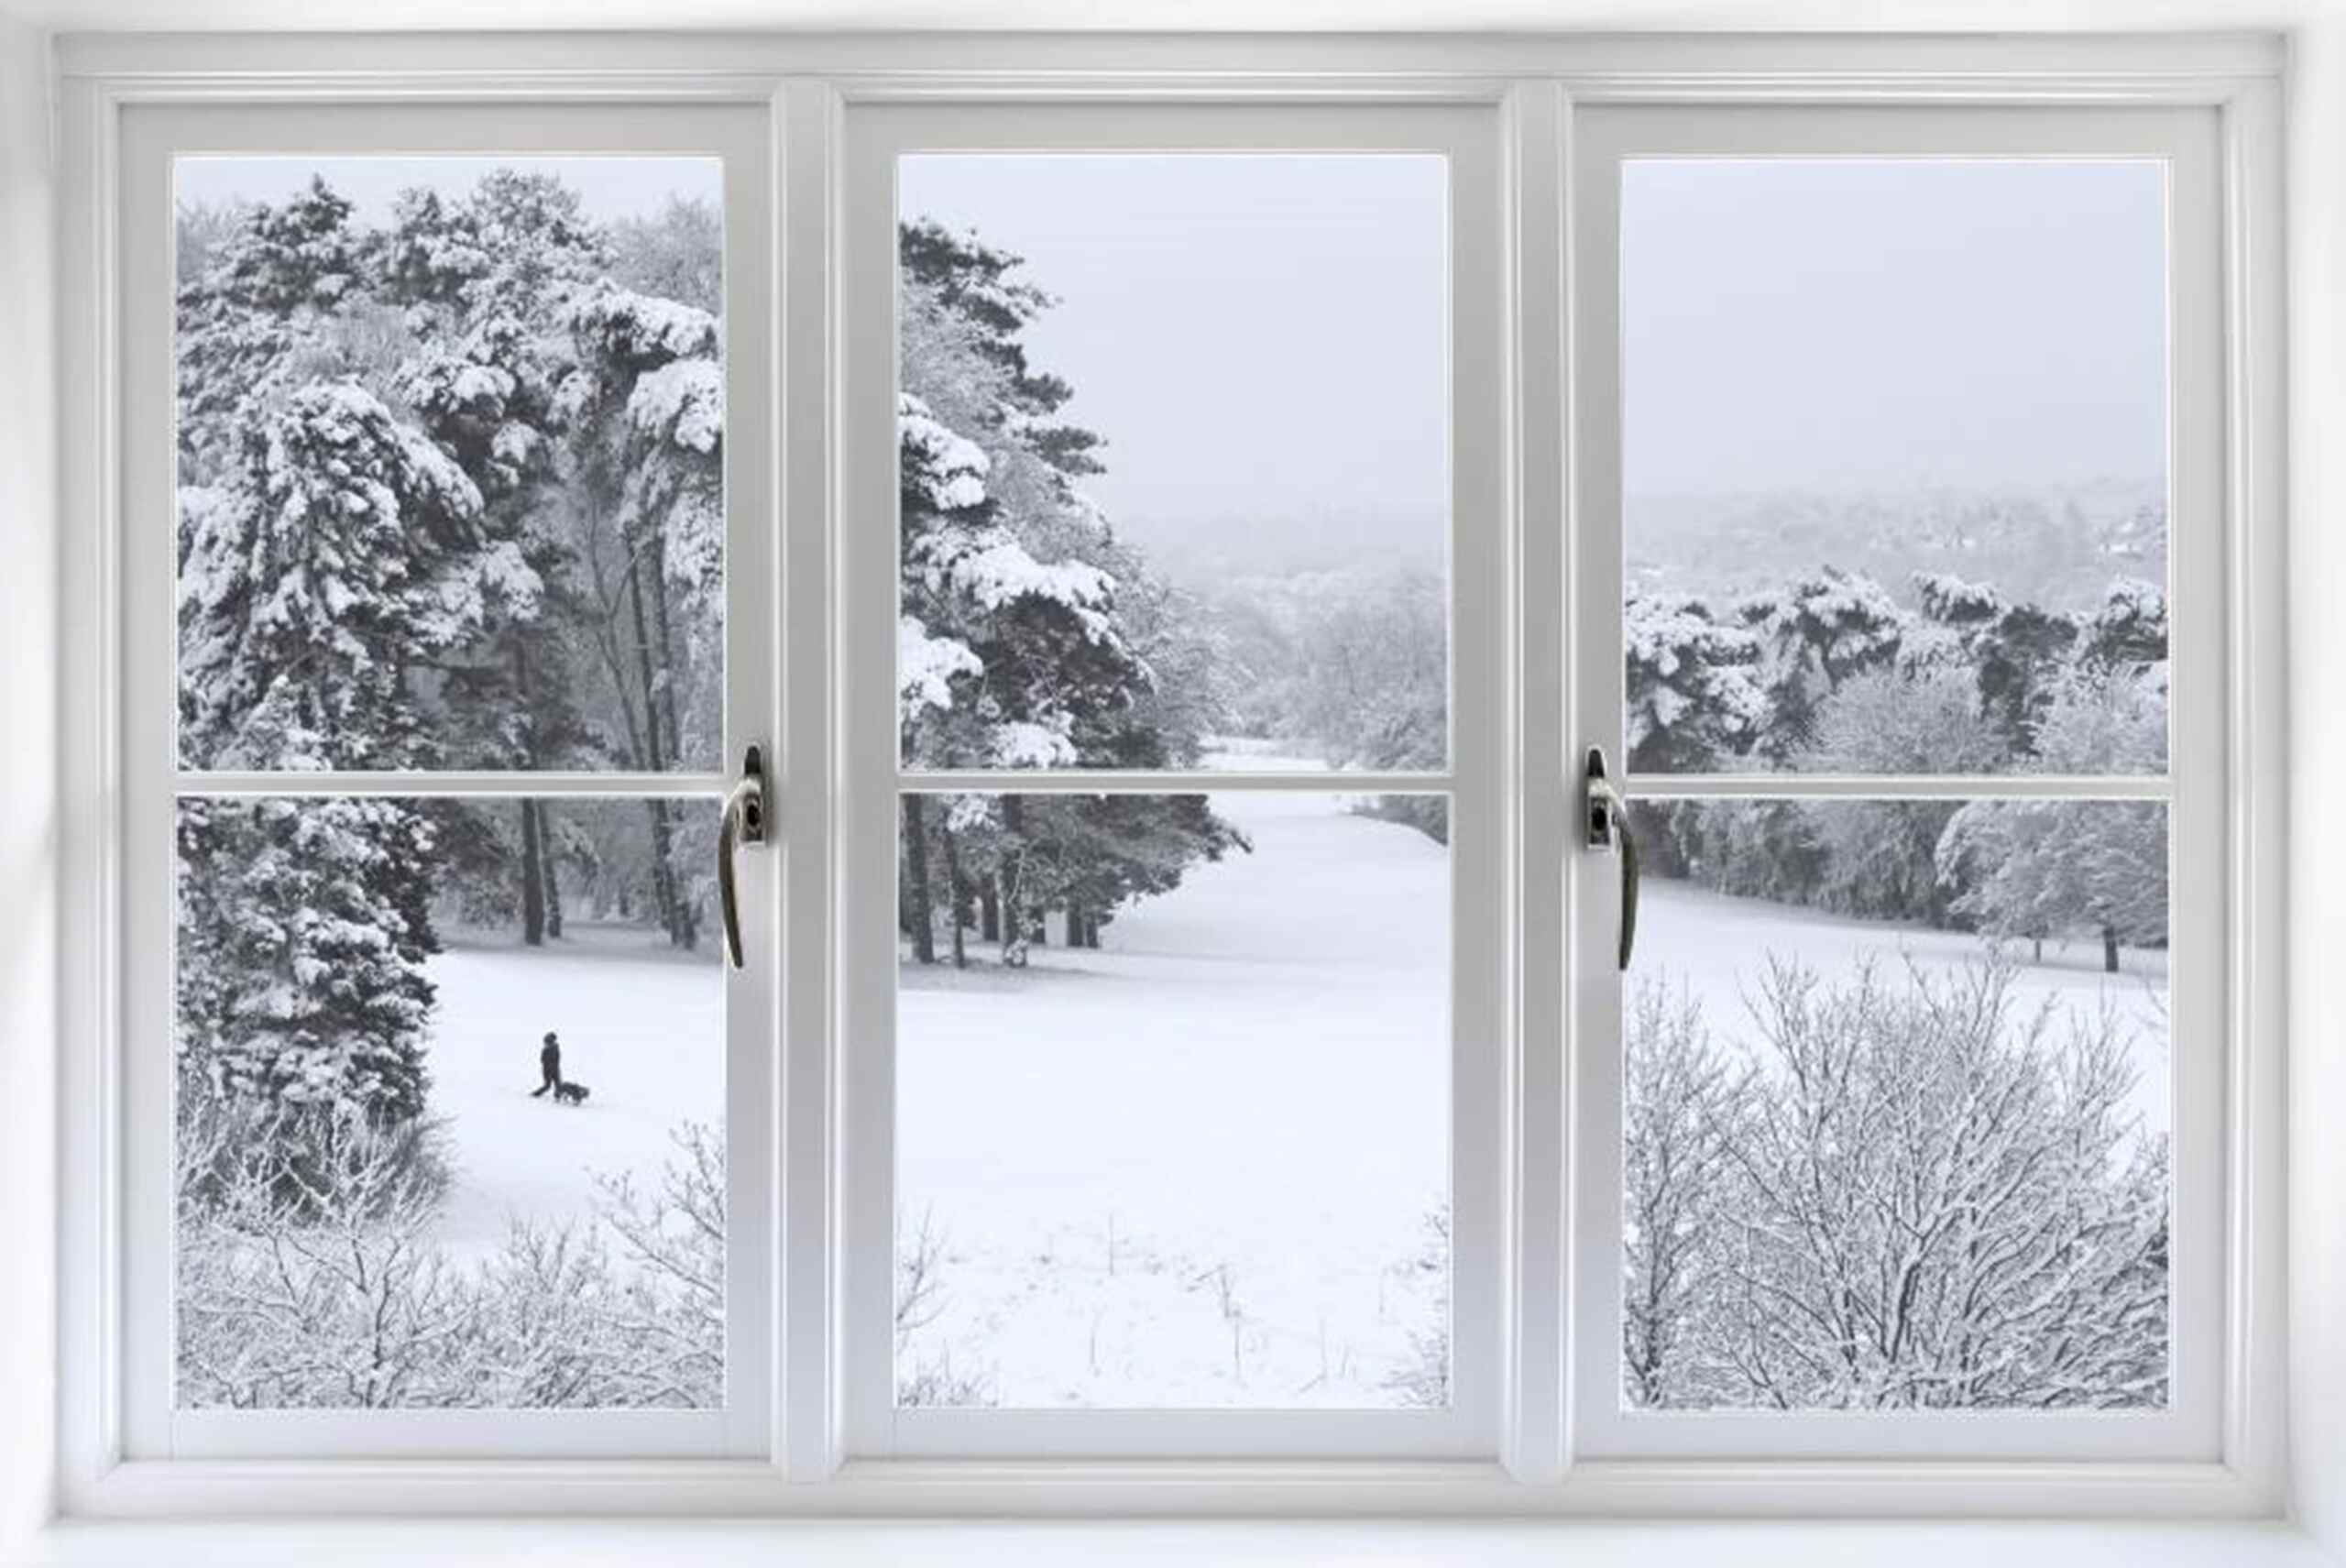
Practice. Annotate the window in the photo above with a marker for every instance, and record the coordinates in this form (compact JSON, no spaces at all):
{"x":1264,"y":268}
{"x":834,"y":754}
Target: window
{"x":1902,"y":427}
{"x":1177,"y":1111}
{"x":446,"y":1083}
{"x":1163,"y":554}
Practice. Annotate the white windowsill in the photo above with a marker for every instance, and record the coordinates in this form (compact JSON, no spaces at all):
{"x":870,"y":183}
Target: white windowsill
{"x":591,"y":1543}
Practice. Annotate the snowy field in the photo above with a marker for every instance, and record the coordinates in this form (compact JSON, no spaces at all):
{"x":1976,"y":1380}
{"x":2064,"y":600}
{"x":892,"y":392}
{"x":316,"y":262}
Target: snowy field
{"x":1195,"y":1167}
{"x":1716,"y":946}
{"x":642,"y":1025}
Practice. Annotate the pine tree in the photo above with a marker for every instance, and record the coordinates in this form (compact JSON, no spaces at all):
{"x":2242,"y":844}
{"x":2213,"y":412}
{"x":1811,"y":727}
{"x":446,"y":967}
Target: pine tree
{"x":644,"y":415}
{"x":302,"y":939}
{"x":1028,"y":636}
{"x":343,"y":546}
{"x":260,"y":318}
{"x":1813,"y":636}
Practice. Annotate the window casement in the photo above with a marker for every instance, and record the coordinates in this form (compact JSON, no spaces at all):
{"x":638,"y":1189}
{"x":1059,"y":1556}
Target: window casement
{"x":1173,"y":542}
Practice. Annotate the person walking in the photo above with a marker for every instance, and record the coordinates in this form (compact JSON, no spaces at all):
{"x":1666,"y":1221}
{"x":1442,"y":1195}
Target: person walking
{"x":549,"y":1065}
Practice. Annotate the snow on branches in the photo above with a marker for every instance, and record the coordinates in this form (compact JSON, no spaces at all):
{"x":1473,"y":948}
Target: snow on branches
{"x":1909,"y":1196}
{"x":342,"y":543}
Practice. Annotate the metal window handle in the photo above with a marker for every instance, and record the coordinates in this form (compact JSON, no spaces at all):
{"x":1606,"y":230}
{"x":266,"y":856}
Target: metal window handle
{"x":1609,"y":829}
{"x":745,"y":822}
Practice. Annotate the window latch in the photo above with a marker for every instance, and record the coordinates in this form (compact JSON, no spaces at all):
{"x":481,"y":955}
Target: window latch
{"x":1606,"y":814}
{"x":745,"y":822}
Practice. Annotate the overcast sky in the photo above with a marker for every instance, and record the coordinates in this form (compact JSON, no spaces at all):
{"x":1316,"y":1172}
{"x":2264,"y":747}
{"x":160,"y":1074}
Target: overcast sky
{"x":608,"y":187}
{"x":1257,"y":335}
{"x":1861,"y":324}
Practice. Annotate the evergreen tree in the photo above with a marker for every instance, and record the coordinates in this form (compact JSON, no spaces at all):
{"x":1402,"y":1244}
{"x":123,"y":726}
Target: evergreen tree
{"x":260,"y":318}
{"x":1028,"y":636}
{"x":1813,"y":636}
{"x":644,"y":408}
{"x":302,"y":934}
{"x":343,"y":546}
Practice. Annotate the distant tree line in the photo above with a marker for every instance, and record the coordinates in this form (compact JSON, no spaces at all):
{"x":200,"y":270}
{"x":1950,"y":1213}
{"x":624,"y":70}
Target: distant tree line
{"x":1830,"y":675}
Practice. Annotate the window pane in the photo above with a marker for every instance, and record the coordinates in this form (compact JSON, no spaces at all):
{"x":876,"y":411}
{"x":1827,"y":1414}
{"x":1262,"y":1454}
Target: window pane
{"x":1894,"y":472}
{"x":1897,"y":1107}
{"x":1174,"y":434}
{"x":450,"y":1105}
{"x":450,"y":463}
{"x":1173,"y":1102}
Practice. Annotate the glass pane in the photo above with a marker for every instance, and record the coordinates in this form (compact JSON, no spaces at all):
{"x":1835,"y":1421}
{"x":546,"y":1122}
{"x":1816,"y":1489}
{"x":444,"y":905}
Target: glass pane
{"x":1894,"y":467}
{"x":450,"y":463}
{"x":1897,"y":1107}
{"x":1173,"y":1086}
{"x":450,"y":1105}
{"x":1173,"y":434}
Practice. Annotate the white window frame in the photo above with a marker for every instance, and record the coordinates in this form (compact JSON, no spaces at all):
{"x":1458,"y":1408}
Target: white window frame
{"x":1465,"y":136}
{"x":803,"y":90}
{"x":2185,"y":144}
{"x":151,"y":139}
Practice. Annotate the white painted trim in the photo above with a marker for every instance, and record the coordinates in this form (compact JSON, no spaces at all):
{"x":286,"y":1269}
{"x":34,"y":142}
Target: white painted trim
{"x":2224,"y":1227}
{"x":1464,"y":129}
{"x":1229,"y":1488}
{"x":1194,"y":781}
{"x":1902,"y":787}
{"x":810,"y":78}
{"x":2103,"y":67}
{"x":122,"y":1190}
{"x":308,"y":784}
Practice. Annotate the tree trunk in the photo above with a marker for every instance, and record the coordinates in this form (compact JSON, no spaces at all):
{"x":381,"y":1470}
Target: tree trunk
{"x":1091,"y":929}
{"x":534,"y":891}
{"x":989,"y":912}
{"x":663,"y":695}
{"x":916,"y":875}
{"x":956,"y":893}
{"x":549,"y":859}
{"x":664,"y":885}
{"x":1013,"y":882}
{"x":2110,"y":949}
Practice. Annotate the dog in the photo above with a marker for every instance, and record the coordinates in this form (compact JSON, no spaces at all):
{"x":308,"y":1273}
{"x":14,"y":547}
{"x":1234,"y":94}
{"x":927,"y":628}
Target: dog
{"x":568,"y":1093}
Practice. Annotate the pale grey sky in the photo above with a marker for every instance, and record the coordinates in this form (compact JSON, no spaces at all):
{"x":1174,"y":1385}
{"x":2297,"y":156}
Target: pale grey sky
{"x":1861,"y":324}
{"x":608,"y":187}
{"x":1259,"y":337}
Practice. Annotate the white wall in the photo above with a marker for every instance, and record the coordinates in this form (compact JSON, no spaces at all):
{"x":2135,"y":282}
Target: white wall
{"x":2318,"y":780}
{"x":28,"y":676}
{"x":2317,"y":699}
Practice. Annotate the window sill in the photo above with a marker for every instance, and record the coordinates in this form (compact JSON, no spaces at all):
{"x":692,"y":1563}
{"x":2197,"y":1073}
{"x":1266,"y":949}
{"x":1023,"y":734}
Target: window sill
{"x":586,"y":1543}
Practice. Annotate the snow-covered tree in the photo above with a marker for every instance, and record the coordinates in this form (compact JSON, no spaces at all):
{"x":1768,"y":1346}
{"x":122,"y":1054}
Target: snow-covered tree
{"x":1029,"y":635}
{"x":1880,"y":856}
{"x":260,"y":316}
{"x":1678,"y":1108}
{"x":1812,"y":635}
{"x":1934,"y":1202}
{"x":2049,"y":867}
{"x":2014,"y":651}
{"x":1694,"y":696}
{"x":644,"y":410}
{"x":302,"y":932}
{"x":344,"y":546}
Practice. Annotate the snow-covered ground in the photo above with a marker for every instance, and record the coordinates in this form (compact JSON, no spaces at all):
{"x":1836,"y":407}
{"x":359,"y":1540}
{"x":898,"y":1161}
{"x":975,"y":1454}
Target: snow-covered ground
{"x":1716,"y":946}
{"x":1195,"y":1167}
{"x":642,"y":1025}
